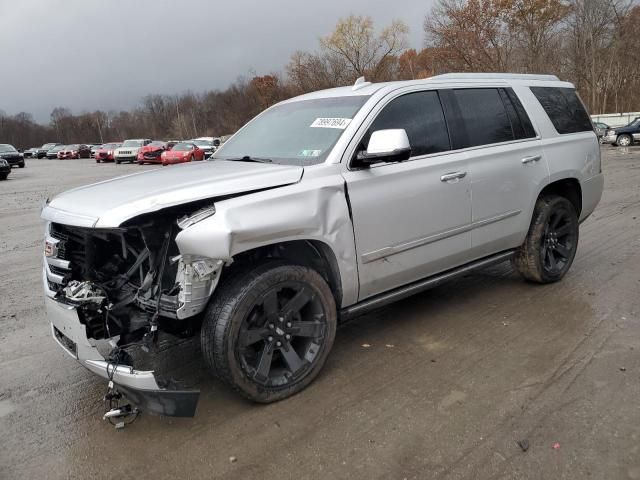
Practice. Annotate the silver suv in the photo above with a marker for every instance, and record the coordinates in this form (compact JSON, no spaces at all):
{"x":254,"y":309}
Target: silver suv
{"x":322,"y":207}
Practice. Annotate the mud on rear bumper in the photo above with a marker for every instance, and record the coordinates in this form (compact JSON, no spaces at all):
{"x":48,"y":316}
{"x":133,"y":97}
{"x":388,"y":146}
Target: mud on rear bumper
{"x":142,"y":388}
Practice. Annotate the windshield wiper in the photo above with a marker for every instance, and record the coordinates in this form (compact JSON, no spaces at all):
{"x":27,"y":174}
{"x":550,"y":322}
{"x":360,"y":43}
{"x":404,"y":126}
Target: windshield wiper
{"x":248,"y":158}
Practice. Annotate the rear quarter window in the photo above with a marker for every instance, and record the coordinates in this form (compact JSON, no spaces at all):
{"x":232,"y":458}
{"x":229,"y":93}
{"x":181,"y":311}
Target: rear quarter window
{"x":564,"y":108}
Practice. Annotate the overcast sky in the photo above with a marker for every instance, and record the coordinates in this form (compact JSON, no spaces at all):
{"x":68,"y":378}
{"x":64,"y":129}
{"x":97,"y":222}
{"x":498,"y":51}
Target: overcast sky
{"x":107,"y":54}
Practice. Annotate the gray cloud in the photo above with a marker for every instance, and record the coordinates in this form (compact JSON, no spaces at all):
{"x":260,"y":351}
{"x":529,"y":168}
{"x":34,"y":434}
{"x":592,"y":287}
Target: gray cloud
{"x":107,"y":54}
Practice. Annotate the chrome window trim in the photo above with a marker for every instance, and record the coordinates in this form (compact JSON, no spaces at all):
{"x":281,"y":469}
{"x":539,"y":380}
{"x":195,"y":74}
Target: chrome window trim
{"x":347,"y":156}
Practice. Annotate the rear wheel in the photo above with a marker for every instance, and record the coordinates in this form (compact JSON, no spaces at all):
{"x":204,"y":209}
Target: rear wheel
{"x":551,"y":243}
{"x":623,"y":140}
{"x":3,"y":176}
{"x":269,"y":330}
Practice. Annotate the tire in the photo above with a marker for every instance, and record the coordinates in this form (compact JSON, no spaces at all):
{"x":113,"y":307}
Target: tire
{"x":21,"y":165}
{"x":117,"y":162}
{"x":624,"y":140}
{"x":97,"y":160}
{"x":551,"y":243}
{"x":3,"y":176}
{"x":276,"y":358}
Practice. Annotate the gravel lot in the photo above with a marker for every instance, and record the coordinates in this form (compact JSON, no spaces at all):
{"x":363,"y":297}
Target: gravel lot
{"x":449,"y":382}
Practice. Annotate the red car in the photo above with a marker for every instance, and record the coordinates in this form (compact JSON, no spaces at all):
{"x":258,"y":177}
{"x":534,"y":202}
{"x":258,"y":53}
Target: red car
{"x":182,"y":152}
{"x":74,"y":151}
{"x":105,"y":152}
{"x":151,"y":153}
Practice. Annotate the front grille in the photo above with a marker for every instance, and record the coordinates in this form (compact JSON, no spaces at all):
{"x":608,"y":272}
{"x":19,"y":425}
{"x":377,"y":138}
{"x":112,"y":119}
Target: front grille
{"x":125,"y":152}
{"x":152,"y":155}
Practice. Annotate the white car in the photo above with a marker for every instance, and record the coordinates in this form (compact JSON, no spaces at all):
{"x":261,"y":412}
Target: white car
{"x":128,"y":152}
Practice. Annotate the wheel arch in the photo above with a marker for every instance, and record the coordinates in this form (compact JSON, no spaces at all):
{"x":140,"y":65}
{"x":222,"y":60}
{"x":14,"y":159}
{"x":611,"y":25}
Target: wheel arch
{"x":568,"y":188}
{"x":310,"y":253}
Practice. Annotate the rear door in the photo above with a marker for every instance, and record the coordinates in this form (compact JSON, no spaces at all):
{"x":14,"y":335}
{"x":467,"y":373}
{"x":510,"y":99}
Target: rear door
{"x":507,"y":166}
{"x":410,"y":218}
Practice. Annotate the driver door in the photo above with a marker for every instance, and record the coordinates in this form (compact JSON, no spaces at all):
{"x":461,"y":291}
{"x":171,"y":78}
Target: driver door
{"x":412,"y":218}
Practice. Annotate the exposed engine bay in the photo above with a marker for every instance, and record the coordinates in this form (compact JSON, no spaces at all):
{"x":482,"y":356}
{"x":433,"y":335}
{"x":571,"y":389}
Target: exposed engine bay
{"x":128,"y":282}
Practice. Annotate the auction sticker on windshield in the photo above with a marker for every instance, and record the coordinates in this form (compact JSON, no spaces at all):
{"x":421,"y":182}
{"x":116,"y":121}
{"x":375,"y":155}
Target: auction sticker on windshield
{"x":340,"y":123}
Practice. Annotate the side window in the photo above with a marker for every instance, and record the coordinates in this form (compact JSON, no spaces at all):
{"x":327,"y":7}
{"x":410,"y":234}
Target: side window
{"x":420,"y":114}
{"x":564,"y":108}
{"x":520,"y":121}
{"x":483,"y":115}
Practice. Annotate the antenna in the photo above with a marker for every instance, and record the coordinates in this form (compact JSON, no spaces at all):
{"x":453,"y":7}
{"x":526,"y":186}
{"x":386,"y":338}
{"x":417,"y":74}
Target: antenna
{"x":360,"y":83}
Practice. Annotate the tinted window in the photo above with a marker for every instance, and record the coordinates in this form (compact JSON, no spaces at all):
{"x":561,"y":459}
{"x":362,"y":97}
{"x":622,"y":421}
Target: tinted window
{"x":564,"y":109}
{"x":420,"y":114}
{"x":483,"y":116}
{"x":520,"y":121}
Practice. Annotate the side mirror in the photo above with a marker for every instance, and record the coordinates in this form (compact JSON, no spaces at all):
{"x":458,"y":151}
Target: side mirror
{"x":390,"y":145}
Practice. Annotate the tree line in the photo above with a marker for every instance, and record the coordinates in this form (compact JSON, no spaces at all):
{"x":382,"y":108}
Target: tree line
{"x":591,"y":43}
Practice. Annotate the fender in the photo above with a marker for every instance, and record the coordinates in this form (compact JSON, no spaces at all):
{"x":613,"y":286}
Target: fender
{"x":315,"y":209}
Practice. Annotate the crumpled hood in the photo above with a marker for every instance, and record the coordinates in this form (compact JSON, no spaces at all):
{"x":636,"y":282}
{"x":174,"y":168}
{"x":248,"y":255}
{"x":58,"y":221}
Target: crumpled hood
{"x":112,"y":202}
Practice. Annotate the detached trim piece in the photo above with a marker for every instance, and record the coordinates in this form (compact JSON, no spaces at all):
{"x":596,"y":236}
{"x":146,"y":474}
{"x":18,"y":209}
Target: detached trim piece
{"x":388,"y":251}
{"x":422,"y":285}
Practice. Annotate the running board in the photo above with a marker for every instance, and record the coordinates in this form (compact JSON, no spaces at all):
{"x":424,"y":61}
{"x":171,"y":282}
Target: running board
{"x":422,"y":285}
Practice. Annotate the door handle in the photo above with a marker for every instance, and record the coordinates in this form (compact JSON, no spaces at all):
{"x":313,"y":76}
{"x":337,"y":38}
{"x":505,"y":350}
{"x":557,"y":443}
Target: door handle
{"x":532,"y":159}
{"x":447,"y":177}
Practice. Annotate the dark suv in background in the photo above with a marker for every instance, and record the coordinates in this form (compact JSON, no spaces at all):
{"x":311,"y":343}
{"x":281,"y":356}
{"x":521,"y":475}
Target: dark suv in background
{"x":11,"y":155}
{"x":624,"y":136}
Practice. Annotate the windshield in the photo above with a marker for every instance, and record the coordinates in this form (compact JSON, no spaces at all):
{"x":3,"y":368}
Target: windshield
{"x":109,"y":146}
{"x":203,"y":143}
{"x":48,"y":146}
{"x":296,"y":133}
{"x":57,"y":148}
{"x":182,"y":147}
{"x":7,"y":148}
{"x":72,"y":147}
{"x":132,"y":143}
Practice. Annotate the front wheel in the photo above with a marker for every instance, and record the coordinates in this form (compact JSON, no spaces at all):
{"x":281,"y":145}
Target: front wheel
{"x":269,"y":330}
{"x":551,"y":243}
{"x":623,"y":140}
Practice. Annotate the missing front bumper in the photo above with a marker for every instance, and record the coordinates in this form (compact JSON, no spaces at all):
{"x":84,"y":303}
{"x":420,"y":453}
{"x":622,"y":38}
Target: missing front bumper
{"x":141,"y":387}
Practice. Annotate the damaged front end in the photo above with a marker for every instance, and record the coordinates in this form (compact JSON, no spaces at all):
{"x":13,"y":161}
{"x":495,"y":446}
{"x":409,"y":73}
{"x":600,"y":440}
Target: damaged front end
{"x":110,"y":290}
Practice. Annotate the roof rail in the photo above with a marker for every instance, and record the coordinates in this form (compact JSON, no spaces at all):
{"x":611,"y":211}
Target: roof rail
{"x":494,"y":76}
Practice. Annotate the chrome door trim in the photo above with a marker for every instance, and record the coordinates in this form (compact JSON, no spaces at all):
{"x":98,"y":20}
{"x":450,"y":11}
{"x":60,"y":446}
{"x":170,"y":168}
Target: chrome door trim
{"x":394,"y":249}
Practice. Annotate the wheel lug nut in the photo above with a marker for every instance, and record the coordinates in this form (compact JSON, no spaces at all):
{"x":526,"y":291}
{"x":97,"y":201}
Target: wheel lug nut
{"x":271,"y":326}
{"x":287,"y":336}
{"x":289,"y":324}
{"x":281,"y":319}
{"x":270,"y":338}
{"x":279,"y":344}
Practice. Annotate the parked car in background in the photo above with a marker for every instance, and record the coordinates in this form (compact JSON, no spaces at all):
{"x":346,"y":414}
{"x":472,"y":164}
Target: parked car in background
{"x":73,"y":151}
{"x":128,"y":152}
{"x":53,"y":152}
{"x":624,"y":136}
{"x":42,"y":151}
{"x":5,"y":169}
{"x":94,"y":148}
{"x":207,"y":146}
{"x":11,"y":155}
{"x":30,"y":152}
{"x":601,"y":129}
{"x":181,"y":153}
{"x":151,"y":153}
{"x":105,"y":152}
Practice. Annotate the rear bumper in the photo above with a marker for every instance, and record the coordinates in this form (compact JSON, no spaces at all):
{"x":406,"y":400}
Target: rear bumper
{"x":141,"y":387}
{"x":591,"y":194}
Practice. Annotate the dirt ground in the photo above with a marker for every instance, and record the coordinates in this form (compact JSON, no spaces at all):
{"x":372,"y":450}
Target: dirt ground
{"x":450,"y":380}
